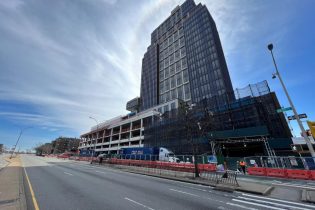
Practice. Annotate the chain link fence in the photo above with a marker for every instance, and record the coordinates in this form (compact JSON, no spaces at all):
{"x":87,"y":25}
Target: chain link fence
{"x":304,"y":163}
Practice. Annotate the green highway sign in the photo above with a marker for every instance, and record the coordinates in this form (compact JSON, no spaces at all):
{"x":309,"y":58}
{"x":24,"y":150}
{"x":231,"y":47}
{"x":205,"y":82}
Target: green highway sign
{"x":284,"y":109}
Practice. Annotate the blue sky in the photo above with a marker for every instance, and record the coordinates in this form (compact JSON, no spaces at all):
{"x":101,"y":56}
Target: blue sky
{"x":63,"y":61}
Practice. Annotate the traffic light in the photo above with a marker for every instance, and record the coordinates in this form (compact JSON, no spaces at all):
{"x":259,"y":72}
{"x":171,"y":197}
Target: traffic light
{"x":311,"y":125}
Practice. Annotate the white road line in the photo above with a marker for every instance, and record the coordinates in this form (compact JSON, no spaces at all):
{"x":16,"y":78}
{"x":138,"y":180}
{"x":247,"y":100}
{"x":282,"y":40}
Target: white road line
{"x":257,"y":204}
{"x":185,"y":192}
{"x":194,"y":188}
{"x":102,"y":172}
{"x":140,"y":204}
{"x":273,"y":203}
{"x":294,"y":185}
{"x":278,"y":200}
{"x":68,"y":173}
{"x":240,"y":206}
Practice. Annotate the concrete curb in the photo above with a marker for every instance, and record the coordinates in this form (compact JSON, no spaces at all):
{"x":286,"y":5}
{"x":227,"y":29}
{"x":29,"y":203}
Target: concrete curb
{"x":308,"y":196}
{"x":265,"y":192}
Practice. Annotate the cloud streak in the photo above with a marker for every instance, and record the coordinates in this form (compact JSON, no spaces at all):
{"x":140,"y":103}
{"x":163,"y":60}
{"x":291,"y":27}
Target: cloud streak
{"x":72,"y":59}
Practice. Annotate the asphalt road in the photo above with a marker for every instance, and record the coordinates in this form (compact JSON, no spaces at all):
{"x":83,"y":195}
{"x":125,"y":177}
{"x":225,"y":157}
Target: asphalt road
{"x":67,"y":185}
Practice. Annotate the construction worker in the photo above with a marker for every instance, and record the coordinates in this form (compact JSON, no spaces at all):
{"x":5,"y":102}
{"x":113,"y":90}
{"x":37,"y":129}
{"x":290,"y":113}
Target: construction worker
{"x":243,"y":166}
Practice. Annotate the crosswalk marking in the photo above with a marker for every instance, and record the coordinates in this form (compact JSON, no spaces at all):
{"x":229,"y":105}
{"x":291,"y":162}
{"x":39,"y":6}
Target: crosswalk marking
{"x":252,"y":202}
{"x":278,"y":200}
{"x":294,"y":185}
{"x":269,"y":202}
{"x":241,"y":206}
{"x":257,"y":204}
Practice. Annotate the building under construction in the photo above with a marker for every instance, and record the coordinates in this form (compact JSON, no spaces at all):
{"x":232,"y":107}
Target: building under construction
{"x":187,"y":102}
{"x":247,"y":125}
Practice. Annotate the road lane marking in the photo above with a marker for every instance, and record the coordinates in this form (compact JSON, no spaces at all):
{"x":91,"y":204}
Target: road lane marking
{"x":68,"y":173}
{"x":140,"y":204}
{"x":257,"y":204}
{"x":278,"y":200}
{"x":269,"y":202}
{"x":240,"y":206}
{"x":187,"y":193}
{"x":102,"y":172}
{"x":32,"y":191}
{"x":194,"y":188}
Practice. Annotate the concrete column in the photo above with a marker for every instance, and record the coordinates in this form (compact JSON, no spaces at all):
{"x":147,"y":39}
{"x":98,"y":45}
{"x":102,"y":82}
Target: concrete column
{"x":119,"y":138}
{"x":110,"y":138}
{"x":130,"y":133}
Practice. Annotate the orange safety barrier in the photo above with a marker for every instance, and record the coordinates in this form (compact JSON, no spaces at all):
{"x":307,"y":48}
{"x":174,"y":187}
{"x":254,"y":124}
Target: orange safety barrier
{"x":276,"y":172}
{"x":258,"y":171}
{"x":210,"y":167}
{"x":201,"y":167}
{"x":298,"y":174}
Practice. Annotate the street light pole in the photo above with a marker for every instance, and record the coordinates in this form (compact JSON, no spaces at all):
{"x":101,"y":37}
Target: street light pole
{"x":21,"y":132}
{"x":96,"y":137}
{"x":307,"y":140}
{"x":187,"y":109}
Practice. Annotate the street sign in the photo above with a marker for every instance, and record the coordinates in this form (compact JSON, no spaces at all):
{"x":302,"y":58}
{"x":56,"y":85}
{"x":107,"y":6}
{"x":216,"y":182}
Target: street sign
{"x":300,"y":116}
{"x":284,"y":109}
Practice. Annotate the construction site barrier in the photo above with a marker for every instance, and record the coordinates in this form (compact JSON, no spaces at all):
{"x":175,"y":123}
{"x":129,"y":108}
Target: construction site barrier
{"x":276,"y":172}
{"x":183,"y":167}
{"x":312,"y":173}
{"x":208,"y":167}
{"x":298,"y":174}
{"x":258,"y":171}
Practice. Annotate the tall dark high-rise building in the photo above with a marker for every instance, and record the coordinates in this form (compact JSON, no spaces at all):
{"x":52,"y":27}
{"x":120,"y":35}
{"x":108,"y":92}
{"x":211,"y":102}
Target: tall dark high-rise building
{"x":185,"y":59}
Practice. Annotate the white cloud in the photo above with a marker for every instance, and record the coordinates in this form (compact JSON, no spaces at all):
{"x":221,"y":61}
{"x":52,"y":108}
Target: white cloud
{"x":70,"y":60}
{"x":77,"y":72}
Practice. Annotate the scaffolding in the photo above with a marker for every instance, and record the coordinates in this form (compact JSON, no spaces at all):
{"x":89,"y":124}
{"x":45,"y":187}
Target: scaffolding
{"x":250,"y":115}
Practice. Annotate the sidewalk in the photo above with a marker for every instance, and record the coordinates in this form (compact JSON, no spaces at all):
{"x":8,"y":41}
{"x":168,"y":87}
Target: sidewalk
{"x":3,"y":162}
{"x":12,"y":196}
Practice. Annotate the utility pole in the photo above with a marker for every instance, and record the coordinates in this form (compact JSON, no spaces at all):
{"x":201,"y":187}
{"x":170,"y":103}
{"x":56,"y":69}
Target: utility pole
{"x":97,"y":131}
{"x":21,"y":132}
{"x":307,"y":140}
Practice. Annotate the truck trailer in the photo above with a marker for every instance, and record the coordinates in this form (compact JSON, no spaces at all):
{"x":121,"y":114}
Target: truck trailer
{"x":148,"y":153}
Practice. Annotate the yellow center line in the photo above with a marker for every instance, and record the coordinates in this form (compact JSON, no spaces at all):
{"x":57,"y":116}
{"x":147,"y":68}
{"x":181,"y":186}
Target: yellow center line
{"x":32,"y":192}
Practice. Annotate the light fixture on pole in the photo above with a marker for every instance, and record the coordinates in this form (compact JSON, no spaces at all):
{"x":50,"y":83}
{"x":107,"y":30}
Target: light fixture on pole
{"x":277,"y":74}
{"x":97,"y":131}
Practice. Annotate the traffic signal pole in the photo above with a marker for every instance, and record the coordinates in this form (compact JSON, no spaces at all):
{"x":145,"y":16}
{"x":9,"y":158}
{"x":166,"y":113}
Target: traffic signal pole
{"x":307,"y":140}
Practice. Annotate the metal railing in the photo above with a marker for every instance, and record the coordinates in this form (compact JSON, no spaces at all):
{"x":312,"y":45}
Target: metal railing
{"x":176,"y":166}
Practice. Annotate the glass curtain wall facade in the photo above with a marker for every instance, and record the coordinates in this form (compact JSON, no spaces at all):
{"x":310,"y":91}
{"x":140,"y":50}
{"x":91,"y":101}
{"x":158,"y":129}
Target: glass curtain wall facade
{"x":185,"y":59}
